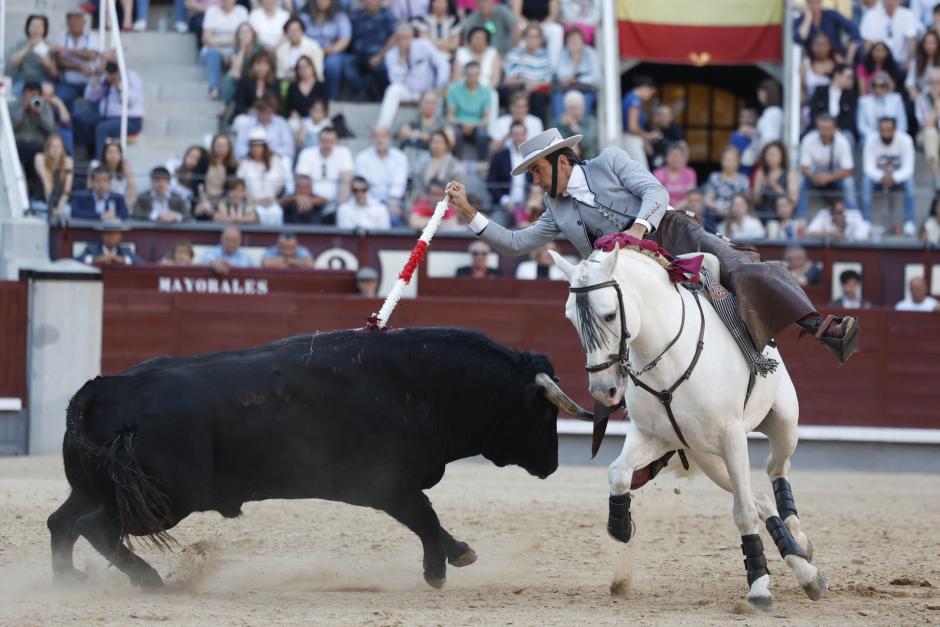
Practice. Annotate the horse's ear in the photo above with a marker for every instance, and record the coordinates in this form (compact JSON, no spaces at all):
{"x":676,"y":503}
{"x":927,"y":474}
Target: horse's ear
{"x":566,"y":268}
{"x":610,"y":261}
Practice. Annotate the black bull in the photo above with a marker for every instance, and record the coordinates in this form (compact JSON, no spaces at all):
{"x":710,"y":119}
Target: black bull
{"x":365,"y":418}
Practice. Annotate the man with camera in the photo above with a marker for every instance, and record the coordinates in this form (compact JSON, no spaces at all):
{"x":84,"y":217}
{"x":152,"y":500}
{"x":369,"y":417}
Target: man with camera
{"x":99,"y":117}
{"x":33,"y":122}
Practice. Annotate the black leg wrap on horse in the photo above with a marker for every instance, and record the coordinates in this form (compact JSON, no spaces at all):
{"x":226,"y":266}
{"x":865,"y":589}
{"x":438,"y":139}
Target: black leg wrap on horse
{"x":619,"y":522}
{"x":754,"y":560}
{"x":783,"y":538}
{"x":786,"y":504}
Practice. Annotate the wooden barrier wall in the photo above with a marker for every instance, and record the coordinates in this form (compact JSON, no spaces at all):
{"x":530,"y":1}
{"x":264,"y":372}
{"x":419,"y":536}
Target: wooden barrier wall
{"x":14,"y":297}
{"x":883,"y":266}
{"x":169,"y":311}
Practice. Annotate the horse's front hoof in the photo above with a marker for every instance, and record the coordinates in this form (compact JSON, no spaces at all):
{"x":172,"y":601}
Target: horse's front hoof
{"x":762,"y":603}
{"x":435,"y":582}
{"x":469,"y":556}
{"x":817,"y":588}
{"x":619,"y":522}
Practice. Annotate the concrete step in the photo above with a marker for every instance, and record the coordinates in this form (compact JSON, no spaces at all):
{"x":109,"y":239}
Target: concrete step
{"x":182,"y":108}
{"x":360,"y":117}
{"x":144,"y":50}
{"x":170,"y":74}
{"x":179,"y":126}
{"x":177,"y":91}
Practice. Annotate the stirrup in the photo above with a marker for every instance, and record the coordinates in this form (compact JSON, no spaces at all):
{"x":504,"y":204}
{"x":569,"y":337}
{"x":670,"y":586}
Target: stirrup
{"x":841,"y":347}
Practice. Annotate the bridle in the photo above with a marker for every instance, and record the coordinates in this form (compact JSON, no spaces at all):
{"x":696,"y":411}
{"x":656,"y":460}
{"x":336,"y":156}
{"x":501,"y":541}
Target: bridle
{"x":622,"y":358}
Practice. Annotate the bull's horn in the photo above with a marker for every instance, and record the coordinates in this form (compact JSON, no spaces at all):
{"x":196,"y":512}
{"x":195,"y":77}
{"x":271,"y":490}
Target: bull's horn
{"x":561,"y":400}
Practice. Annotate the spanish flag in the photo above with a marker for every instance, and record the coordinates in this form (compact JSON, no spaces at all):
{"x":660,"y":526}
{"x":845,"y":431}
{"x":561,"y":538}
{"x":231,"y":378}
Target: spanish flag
{"x":701,"y":32}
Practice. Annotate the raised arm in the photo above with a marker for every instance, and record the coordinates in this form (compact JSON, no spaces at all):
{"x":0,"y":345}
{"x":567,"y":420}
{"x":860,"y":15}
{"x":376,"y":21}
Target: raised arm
{"x":511,"y":242}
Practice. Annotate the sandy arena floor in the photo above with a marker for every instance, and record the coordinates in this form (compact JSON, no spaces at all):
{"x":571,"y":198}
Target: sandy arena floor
{"x":545,"y":558}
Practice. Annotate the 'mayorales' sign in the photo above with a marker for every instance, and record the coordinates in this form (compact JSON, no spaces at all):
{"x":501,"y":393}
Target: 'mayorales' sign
{"x":212,"y":285}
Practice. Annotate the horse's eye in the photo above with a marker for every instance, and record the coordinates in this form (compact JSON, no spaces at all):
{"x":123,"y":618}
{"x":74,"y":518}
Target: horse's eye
{"x":610,"y":317}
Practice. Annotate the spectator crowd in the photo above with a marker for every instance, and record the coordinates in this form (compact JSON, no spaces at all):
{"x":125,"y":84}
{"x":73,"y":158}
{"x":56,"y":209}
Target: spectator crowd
{"x":461,"y":84}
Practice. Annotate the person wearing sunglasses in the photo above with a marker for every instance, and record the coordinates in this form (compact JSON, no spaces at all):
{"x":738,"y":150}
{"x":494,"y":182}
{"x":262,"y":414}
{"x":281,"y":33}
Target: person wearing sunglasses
{"x":362,"y":211}
{"x":883,"y":102}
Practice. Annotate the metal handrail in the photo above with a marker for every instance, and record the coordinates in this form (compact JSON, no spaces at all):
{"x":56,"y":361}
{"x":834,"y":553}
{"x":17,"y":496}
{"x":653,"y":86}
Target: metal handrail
{"x":109,"y":9}
{"x":13,"y":175}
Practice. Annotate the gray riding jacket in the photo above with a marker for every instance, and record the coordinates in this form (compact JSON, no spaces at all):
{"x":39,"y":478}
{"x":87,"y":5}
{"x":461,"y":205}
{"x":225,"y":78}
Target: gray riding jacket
{"x":623,"y":192}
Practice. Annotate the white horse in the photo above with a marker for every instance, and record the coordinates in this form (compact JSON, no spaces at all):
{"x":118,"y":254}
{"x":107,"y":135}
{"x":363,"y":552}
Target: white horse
{"x":627,"y":311}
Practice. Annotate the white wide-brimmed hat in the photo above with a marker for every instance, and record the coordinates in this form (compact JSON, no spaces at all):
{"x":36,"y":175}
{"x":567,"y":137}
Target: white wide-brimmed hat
{"x":543,"y":144}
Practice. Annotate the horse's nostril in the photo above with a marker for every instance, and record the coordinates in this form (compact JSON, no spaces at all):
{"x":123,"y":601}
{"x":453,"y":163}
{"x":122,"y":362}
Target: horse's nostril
{"x":612,"y":392}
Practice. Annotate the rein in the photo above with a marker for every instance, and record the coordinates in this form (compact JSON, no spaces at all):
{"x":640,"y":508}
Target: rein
{"x":622,"y":358}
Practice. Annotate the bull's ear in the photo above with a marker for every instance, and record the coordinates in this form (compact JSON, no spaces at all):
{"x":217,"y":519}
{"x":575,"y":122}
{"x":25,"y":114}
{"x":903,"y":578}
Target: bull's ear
{"x":610,"y":261}
{"x":566,"y":268}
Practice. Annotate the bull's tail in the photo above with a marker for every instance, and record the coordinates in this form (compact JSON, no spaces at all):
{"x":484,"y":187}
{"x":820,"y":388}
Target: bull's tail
{"x":143,"y":509}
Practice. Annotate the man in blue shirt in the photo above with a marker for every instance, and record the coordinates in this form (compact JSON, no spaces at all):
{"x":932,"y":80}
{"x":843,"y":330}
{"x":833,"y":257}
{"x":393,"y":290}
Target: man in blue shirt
{"x":228,"y":253}
{"x":99,"y":202}
{"x":833,"y":24}
{"x":287,"y":253}
{"x":373,"y":29}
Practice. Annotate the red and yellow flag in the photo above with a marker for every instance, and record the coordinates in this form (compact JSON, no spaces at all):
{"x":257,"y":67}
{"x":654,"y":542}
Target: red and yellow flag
{"x":701,"y":32}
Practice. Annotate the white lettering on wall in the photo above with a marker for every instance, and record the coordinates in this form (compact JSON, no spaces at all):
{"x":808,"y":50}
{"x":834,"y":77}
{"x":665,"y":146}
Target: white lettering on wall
{"x":192,"y":285}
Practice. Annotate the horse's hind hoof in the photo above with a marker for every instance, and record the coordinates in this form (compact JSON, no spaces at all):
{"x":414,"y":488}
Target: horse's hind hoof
{"x":817,"y":588}
{"x":435,"y":582}
{"x":469,"y":556}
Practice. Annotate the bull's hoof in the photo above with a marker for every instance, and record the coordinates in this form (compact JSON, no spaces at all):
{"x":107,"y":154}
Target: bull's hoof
{"x":148,"y":580}
{"x":69,"y":577}
{"x":817,"y":588}
{"x":435,"y":582}
{"x":619,"y":522}
{"x":468,"y":557}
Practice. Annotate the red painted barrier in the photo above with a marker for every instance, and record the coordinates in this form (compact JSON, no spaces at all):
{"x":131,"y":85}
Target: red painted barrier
{"x":889,"y":383}
{"x":13,"y":331}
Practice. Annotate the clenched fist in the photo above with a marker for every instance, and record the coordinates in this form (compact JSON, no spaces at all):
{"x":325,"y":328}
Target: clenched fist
{"x":456,"y":195}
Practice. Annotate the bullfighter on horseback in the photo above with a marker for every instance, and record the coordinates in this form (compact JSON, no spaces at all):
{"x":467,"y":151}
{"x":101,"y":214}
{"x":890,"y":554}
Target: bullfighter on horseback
{"x":585,"y":200}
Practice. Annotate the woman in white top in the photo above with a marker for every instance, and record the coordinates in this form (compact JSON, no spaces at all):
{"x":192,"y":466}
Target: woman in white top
{"x":478,"y":49}
{"x":218,"y":40}
{"x":926,"y":58}
{"x":770,"y":123}
{"x":265,"y":178}
{"x":268,"y":20}
{"x":740,"y":224}
{"x":441,"y":27}
{"x":819,"y":64}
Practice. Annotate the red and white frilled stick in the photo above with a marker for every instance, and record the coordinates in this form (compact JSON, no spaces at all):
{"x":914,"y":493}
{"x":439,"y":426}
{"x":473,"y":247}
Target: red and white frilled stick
{"x":379,"y":320}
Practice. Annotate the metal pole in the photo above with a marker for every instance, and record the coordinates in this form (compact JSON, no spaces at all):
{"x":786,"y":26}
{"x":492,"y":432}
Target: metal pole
{"x":3,"y":34}
{"x":122,"y":69}
{"x":611,"y":125}
{"x":791,"y":84}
